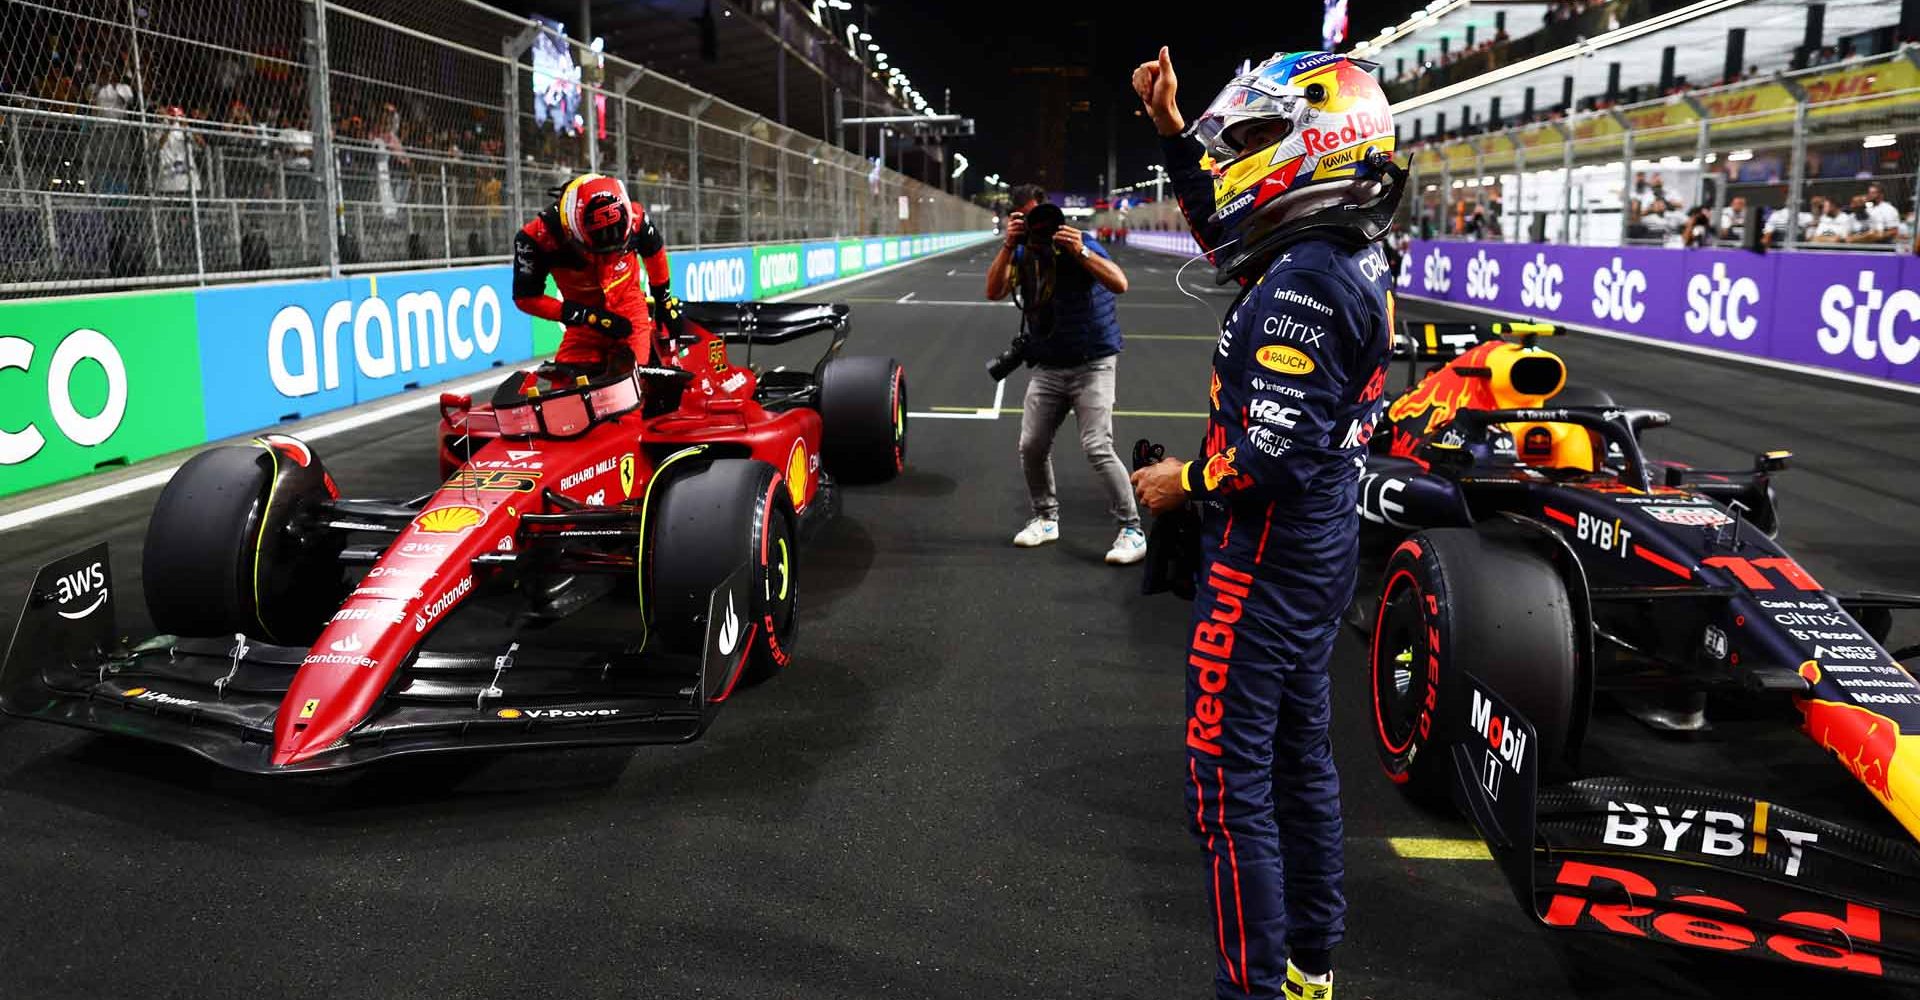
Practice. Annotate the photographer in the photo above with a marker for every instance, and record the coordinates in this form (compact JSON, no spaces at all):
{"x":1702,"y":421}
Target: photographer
{"x":1064,"y":284}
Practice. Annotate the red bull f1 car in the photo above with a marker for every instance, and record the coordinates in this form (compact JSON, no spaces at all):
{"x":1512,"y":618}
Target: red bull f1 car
{"x":1536,"y":560}
{"x":302,"y":631}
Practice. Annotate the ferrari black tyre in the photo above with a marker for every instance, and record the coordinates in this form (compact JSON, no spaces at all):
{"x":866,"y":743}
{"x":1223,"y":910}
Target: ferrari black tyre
{"x":1457,"y":598}
{"x":203,"y":569}
{"x":708,"y":521}
{"x":863,"y":413}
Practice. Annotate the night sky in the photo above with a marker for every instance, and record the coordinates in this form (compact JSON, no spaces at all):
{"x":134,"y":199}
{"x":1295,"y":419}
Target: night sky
{"x":964,"y":46}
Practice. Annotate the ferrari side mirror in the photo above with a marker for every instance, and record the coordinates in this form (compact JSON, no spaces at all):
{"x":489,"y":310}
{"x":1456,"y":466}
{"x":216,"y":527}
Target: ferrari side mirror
{"x":1772,"y":461}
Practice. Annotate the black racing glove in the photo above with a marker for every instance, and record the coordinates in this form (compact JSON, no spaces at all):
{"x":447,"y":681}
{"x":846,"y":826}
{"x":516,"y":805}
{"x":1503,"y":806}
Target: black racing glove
{"x":666,"y":312}
{"x":598,"y":320}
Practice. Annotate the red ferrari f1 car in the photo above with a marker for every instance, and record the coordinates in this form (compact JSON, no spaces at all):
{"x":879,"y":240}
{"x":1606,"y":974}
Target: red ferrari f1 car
{"x":302,"y":631}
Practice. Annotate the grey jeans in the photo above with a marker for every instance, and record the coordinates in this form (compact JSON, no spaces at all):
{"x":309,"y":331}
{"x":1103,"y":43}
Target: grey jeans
{"x":1087,"y":390}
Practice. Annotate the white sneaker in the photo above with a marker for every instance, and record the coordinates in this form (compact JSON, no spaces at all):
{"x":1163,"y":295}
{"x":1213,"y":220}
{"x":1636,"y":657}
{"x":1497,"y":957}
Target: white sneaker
{"x":1038,"y":531}
{"x":1129,"y":548}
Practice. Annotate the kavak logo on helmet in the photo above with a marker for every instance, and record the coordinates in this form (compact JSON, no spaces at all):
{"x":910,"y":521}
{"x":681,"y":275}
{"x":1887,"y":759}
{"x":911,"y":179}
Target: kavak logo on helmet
{"x":1283,"y":359}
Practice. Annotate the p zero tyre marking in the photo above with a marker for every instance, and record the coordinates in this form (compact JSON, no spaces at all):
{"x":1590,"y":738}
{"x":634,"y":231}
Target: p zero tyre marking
{"x":1379,"y":627}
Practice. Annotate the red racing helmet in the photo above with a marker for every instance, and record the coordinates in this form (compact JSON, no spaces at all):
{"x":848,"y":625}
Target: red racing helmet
{"x":596,"y":213}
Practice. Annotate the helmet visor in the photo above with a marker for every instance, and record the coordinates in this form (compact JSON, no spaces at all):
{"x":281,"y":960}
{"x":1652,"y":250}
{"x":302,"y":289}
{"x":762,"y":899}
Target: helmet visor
{"x":1249,"y":100}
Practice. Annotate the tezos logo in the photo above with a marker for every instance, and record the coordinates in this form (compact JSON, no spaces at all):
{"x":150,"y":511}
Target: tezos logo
{"x":1540,"y":284}
{"x":714,"y":280}
{"x":16,"y":446}
{"x":1437,"y":273}
{"x":1483,"y":277}
{"x":1851,"y":321}
{"x":417,"y":332}
{"x":1721,"y":306}
{"x":1617,"y":291}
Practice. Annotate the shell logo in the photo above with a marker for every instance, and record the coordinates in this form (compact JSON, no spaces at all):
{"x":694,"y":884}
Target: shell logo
{"x":133,"y":692}
{"x":797,"y":473}
{"x":450,"y":520}
{"x":1283,"y":359}
{"x":508,"y":713}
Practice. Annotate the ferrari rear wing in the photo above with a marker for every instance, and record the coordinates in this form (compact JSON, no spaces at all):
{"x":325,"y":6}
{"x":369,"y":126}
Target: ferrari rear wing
{"x":1680,"y":865}
{"x":220,"y":697}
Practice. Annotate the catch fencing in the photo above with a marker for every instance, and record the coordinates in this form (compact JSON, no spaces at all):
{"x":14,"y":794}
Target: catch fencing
{"x":167,"y":142}
{"x":1593,"y":178}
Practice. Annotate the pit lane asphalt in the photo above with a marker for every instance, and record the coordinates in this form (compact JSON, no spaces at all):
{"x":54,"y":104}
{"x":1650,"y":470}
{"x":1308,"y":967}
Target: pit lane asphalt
{"x":967,"y":786}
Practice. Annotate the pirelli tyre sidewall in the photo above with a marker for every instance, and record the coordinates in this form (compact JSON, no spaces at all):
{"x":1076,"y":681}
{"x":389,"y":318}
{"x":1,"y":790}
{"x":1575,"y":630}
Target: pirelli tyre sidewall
{"x":1458,"y":598}
{"x":863,"y":417}
{"x":229,"y":546}
{"x":710,"y":519}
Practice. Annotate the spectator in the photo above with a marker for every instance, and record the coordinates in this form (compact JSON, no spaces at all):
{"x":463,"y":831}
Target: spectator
{"x":115,"y":145}
{"x":177,"y":152}
{"x":1830,"y":224}
{"x":1661,"y":221}
{"x":1733,"y":219}
{"x":389,"y":158}
{"x":294,"y":147}
{"x":1774,"y":235}
{"x":1879,"y":220}
{"x":1698,"y":231}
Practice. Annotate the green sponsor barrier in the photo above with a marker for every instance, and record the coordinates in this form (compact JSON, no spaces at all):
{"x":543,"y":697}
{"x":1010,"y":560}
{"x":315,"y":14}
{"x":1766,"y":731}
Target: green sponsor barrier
{"x":778,"y":269}
{"x":96,"y":383}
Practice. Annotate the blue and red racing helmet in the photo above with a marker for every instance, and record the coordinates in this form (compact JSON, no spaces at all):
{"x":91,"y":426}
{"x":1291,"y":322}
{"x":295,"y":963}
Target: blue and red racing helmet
{"x":1293,"y":136}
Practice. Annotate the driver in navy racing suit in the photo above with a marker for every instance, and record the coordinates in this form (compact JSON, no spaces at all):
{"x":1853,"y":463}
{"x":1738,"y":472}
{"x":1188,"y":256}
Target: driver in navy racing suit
{"x":1296,"y":388}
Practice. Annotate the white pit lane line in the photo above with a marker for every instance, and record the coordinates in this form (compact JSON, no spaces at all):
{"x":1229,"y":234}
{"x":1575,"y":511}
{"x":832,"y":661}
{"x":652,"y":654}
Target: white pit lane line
{"x":425,"y":398}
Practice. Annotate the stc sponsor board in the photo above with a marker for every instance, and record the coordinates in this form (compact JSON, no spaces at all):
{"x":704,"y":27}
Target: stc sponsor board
{"x":1847,"y":312}
{"x":103,"y":381}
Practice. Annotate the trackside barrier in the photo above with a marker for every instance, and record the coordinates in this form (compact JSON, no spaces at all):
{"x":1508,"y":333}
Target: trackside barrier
{"x":1833,"y":311}
{"x":1821,"y":311}
{"x":101,"y":381}
{"x":1171,"y":241}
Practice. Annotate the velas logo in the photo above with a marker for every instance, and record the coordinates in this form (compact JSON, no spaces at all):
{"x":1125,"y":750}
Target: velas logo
{"x":1437,"y":273}
{"x":1540,"y":284}
{"x":452,"y":520}
{"x":1616,"y":293}
{"x":822,"y":263}
{"x":1283,"y":359}
{"x":22,"y":443}
{"x":779,"y":268}
{"x":1721,"y":305}
{"x":711,"y":280}
{"x":416,"y":332}
{"x":1869,"y":322}
{"x":1483,"y":277}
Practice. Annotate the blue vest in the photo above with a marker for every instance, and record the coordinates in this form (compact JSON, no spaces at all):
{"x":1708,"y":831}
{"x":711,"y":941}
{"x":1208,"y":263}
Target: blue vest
{"x":1085,"y":325}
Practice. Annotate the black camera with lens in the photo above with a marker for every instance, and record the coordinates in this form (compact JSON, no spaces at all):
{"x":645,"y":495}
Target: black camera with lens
{"x":1033,"y":287}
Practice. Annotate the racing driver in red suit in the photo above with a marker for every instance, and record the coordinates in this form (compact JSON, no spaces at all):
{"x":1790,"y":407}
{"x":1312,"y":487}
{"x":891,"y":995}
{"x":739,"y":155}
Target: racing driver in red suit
{"x":593,"y":241}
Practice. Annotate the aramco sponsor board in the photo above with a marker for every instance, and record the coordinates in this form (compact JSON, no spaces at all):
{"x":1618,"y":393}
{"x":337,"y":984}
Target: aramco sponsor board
{"x":97,"y":382}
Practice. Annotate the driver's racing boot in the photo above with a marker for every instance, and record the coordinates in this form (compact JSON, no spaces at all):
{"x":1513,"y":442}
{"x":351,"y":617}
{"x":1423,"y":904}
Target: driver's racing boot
{"x":1301,"y":986}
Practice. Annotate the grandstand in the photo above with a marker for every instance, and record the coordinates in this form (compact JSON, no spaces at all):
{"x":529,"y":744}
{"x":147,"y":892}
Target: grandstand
{"x":145,"y":145}
{"x":1622,"y":122}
